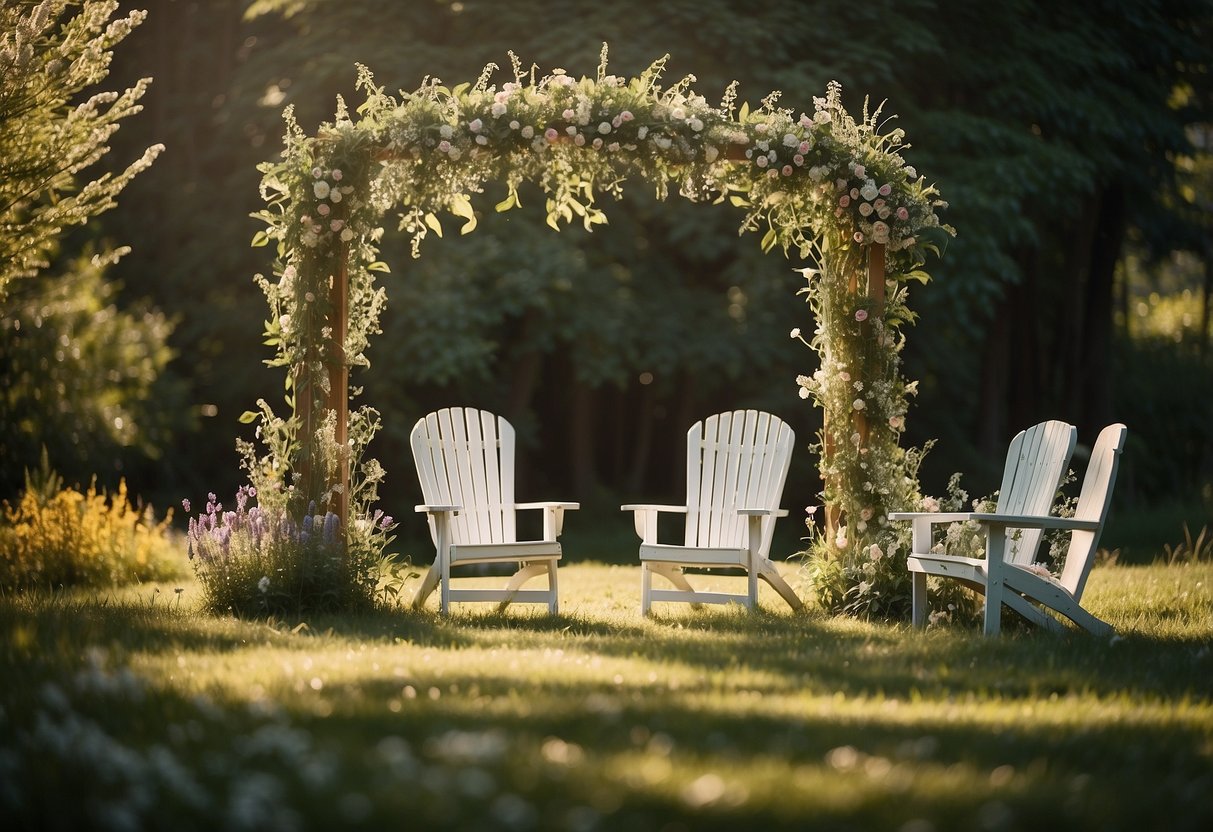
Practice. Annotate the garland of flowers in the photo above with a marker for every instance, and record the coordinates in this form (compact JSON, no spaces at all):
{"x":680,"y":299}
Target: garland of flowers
{"x":824,"y":185}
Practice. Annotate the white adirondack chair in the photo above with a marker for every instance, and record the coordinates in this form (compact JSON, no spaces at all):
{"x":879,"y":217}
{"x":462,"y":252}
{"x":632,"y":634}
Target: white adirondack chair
{"x":736,"y":466}
{"x":1005,"y":575}
{"x":465,"y":461}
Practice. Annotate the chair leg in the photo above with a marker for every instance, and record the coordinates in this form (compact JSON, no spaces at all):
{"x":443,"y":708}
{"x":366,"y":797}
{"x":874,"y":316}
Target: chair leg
{"x":646,"y":587}
{"x":918,"y":609}
{"x":554,"y":602}
{"x":444,"y":591}
{"x":770,"y":573}
{"x":427,"y":586}
{"x":996,"y":540}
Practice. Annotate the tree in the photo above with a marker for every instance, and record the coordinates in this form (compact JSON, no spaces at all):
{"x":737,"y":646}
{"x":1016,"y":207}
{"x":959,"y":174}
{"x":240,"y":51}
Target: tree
{"x":77,"y":370}
{"x":49,"y":136}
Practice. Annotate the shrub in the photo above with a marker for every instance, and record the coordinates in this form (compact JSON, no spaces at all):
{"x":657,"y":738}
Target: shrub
{"x":260,"y":560}
{"x":60,"y":536}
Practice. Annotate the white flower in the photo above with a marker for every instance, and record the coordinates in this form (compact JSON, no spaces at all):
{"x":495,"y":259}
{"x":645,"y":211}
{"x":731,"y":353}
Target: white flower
{"x":710,"y":153}
{"x":678,"y":114}
{"x":875,"y":552}
{"x":497,"y":109}
{"x":865,"y":209}
{"x":869,"y":192}
{"x":321,"y":189}
{"x":663,"y":142}
{"x":804,"y":392}
{"x":880,"y":232}
{"x":604,"y":127}
{"x":482,"y":140}
{"x":514,"y":125}
{"x":346,"y":235}
{"x":790,"y":140}
{"x":642,"y":131}
{"x":528,"y":132}
{"x":335,"y":196}
{"x":475,"y":124}
{"x":795,"y":333}
{"x":446,"y":131}
{"x":858,"y":404}
{"x":695,"y":124}
{"x":264,"y":584}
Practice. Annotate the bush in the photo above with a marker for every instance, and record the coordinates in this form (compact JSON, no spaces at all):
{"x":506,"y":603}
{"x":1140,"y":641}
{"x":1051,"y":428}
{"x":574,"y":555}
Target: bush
{"x":259,"y":560}
{"x":56,"y":536}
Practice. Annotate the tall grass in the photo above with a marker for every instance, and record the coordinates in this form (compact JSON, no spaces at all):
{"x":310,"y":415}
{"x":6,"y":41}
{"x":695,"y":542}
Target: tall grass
{"x":131,"y":709}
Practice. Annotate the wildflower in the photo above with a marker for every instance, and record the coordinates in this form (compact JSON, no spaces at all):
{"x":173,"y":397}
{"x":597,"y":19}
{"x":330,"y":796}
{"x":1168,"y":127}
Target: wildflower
{"x":527,"y":132}
{"x":320,"y":189}
{"x":475,"y":124}
{"x":264,"y":584}
{"x":317,"y":173}
{"x":795,"y":333}
{"x":185,"y":504}
{"x":446,"y":131}
{"x":861,"y":315}
{"x":386,"y":522}
{"x":896,"y":422}
{"x":336,"y":174}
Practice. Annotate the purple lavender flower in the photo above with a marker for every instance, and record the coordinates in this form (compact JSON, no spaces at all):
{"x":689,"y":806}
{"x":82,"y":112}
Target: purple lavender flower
{"x":386,"y":522}
{"x":331,"y":524}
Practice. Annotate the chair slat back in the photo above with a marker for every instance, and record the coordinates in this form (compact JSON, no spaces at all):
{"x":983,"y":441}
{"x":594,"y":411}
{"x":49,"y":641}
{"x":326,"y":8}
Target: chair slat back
{"x":1036,"y":461}
{"x":465,"y":457}
{"x":734,"y":460}
{"x":1093,"y":503}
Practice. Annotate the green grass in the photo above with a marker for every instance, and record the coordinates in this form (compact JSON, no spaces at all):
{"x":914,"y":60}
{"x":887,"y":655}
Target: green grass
{"x":130,"y":709}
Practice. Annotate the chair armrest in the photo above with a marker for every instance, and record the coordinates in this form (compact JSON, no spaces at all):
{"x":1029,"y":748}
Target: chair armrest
{"x":644,"y":518}
{"x":653,"y":507}
{"x":1026,"y":521}
{"x":933,"y":517}
{"x":763,"y":512}
{"x":553,"y":516}
{"x":436,"y":509}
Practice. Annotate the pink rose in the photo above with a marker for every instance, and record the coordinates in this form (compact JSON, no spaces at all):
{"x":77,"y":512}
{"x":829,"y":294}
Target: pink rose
{"x":804,"y":147}
{"x":336,"y":174}
{"x":475,"y":124}
{"x":336,"y":225}
{"x":551,"y":135}
{"x":444,"y":146}
{"x":322,"y":209}
{"x":903,"y":214}
{"x":798,"y":160}
{"x":787,"y":170}
{"x":857,"y":236}
{"x":844,"y":201}
{"x":861,"y":315}
{"x":567,"y":115}
{"x":886,"y":189}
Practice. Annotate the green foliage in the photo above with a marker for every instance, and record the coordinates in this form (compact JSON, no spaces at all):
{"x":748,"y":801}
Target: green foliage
{"x":51,"y":53}
{"x":83,"y":378}
{"x":56,"y":536}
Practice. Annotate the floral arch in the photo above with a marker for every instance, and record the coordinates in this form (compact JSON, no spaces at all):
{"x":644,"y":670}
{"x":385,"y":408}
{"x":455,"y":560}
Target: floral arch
{"x":829,"y":188}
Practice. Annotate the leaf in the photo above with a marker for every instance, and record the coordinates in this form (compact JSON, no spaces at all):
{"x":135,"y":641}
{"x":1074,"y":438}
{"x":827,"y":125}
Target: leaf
{"x":380,"y":266}
{"x":507,"y":203}
{"x":739,"y":201}
{"x":260,"y":239}
{"x":743,"y":112}
{"x":248,"y":417}
{"x":769,"y":240}
{"x":434,"y":225}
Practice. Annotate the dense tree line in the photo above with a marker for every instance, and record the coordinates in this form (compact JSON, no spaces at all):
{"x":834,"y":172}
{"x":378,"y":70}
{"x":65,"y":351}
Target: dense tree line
{"x":1056,"y":131}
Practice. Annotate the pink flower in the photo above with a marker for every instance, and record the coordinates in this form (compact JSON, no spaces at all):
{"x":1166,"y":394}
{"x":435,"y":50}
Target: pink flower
{"x":626,"y":115}
{"x":322,"y":209}
{"x":762,"y":161}
{"x":475,"y":124}
{"x":567,"y":115}
{"x":804,"y":147}
{"x":336,"y":225}
{"x":896,"y":422}
{"x":772,"y":173}
{"x":317,"y":173}
{"x":444,"y":146}
{"x":336,"y":174}
{"x":903,"y":214}
{"x":551,"y":135}
{"x":597,"y":143}
{"x":844,"y":201}
{"x":860,"y":170}
{"x":857,"y":236}
{"x":886,"y":189}
{"x":579,"y":140}
{"x":798,"y":160}
{"x":861,"y":315}
{"x":787,"y":170}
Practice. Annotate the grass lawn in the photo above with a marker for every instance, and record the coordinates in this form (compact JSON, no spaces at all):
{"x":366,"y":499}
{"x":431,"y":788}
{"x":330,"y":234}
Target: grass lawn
{"x":129,"y":709}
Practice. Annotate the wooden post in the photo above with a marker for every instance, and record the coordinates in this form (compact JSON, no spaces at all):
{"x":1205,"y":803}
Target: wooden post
{"x":339,"y":380}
